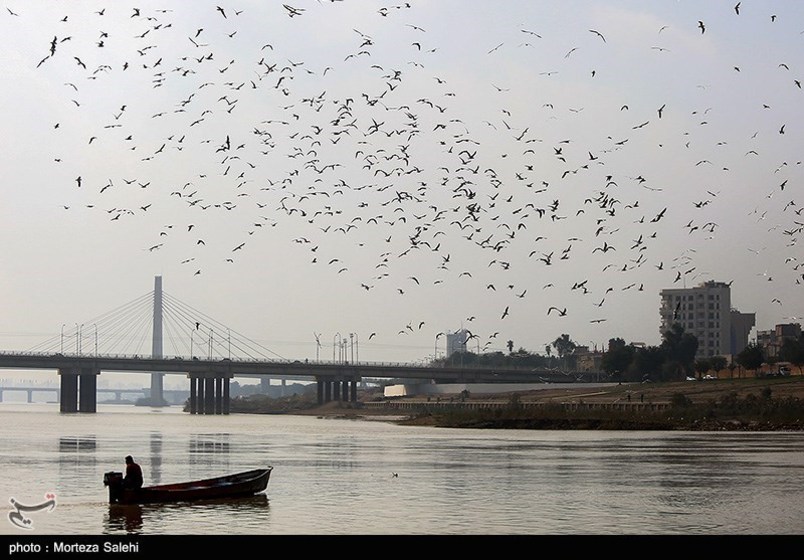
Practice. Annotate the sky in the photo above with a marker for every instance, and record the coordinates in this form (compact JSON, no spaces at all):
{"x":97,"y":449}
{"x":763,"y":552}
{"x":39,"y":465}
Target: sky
{"x":325,"y":171}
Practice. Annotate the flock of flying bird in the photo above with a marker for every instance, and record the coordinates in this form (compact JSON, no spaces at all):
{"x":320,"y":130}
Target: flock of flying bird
{"x":390,"y":166}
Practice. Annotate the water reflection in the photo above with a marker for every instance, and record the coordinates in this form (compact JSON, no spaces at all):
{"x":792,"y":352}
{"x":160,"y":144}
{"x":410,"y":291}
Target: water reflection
{"x":156,"y":457}
{"x":71,"y":443}
{"x":210,"y":443}
{"x":137,"y":519}
{"x":127,"y":518}
{"x":75,"y":451}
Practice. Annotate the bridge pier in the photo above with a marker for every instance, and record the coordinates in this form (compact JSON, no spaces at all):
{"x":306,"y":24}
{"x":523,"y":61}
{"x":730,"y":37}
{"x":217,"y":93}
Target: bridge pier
{"x":344,"y":390}
{"x":209,"y":393}
{"x":78,"y":390}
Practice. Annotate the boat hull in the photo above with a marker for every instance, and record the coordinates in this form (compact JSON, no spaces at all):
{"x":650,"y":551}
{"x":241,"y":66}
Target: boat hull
{"x":232,"y":486}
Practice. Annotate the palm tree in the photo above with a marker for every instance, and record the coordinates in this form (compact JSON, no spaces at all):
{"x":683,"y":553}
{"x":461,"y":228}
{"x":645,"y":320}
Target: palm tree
{"x":564,"y":346}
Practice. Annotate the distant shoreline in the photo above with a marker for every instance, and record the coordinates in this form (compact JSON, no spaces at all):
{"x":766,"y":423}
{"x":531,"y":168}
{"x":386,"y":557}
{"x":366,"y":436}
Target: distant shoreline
{"x":746,"y":404}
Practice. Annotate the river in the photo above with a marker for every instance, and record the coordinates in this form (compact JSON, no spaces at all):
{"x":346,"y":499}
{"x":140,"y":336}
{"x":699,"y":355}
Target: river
{"x":369,"y":477}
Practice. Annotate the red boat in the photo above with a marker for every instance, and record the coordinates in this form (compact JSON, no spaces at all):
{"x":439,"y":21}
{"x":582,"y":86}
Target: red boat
{"x":238,"y":485}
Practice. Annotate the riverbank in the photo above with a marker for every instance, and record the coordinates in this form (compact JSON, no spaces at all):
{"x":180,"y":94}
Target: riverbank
{"x":758,"y":404}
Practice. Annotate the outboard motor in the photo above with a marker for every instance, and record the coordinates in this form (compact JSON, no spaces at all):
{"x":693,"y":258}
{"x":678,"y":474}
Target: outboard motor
{"x":114,"y":480}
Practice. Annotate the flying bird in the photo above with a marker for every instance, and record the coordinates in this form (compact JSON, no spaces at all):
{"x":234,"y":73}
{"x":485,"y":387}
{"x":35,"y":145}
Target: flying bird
{"x":293,"y":11}
{"x":598,"y":33}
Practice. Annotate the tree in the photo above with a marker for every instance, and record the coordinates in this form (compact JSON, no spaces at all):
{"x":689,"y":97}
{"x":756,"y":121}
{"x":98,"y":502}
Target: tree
{"x":751,"y":357}
{"x":564,"y":346}
{"x":648,"y":362}
{"x":679,"y":348}
{"x":510,"y":345}
{"x":792,"y":351}
{"x":702,"y":366}
{"x":617,"y":358}
{"x":718,"y":363}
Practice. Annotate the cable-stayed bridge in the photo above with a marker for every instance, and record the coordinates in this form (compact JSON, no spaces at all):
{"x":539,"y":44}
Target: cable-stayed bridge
{"x":210,"y":354}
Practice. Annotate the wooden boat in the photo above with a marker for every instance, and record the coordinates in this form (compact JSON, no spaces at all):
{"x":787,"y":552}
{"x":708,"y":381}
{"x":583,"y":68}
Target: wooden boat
{"x":238,"y":485}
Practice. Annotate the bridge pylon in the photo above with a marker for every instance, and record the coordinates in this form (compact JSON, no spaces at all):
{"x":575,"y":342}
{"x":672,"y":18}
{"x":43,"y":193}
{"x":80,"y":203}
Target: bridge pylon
{"x":157,"y":396}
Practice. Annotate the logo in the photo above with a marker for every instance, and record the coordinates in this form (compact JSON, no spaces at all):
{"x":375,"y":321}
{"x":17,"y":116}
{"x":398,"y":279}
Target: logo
{"x":17,"y":518}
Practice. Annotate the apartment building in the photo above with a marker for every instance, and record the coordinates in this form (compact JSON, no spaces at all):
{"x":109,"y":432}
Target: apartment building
{"x":705,"y":311}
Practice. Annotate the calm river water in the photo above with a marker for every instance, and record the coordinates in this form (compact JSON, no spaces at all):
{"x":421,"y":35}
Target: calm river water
{"x":369,"y":477}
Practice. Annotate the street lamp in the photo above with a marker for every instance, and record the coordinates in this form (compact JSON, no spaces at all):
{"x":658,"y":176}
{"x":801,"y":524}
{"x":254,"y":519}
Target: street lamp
{"x":338,"y":335}
{"x":62,"y":338}
{"x":96,"y":337}
{"x":352,"y":346}
{"x":229,"y":341}
{"x":357,"y":350}
{"x":317,"y":345}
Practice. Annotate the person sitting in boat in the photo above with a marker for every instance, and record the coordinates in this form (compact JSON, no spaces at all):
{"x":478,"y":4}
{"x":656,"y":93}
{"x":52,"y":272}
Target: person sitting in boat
{"x":133,"y":478}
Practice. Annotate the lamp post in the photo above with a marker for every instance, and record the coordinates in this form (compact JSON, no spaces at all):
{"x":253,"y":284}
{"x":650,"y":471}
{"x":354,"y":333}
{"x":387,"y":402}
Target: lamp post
{"x":96,"y":337}
{"x":357,"y":350}
{"x":191,"y":344}
{"x":317,"y":345}
{"x":229,"y":341}
{"x":338,"y":335}
{"x":352,"y":346}
{"x":62,"y":338}
{"x":76,"y":338}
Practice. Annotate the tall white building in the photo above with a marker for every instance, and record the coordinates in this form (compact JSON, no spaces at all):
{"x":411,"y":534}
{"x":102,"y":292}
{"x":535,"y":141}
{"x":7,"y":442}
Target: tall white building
{"x":705,"y":312}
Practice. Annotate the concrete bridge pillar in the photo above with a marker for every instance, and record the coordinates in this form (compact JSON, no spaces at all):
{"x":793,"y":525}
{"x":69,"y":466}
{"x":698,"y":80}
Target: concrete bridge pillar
{"x":193,"y":395}
{"x":68,"y":390}
{"x":30,"y":397}
{"x":209,"y":393}
{"x":1,"y":395}
{"x":342,"y":390}
{"x":78,"y":391}
{"x":88,"y":387}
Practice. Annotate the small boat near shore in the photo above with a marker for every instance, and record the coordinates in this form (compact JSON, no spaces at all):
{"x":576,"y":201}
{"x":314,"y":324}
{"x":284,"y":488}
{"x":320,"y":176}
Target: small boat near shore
{"x":239,"y":485}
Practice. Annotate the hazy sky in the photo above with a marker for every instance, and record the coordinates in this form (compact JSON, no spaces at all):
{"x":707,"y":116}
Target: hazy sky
{"x":522,"y":169}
